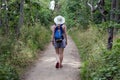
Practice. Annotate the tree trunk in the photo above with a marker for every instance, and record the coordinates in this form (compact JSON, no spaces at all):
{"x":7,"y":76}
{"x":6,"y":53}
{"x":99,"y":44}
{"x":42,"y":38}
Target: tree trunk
{"x":117,"y":16}
{"x":100,"y":5}
{"x":20,"y":23}
{"x":102,"y":10}
{"x":119,"y":12}
{"x":117,"y":8}
{"x":5,"y":18}
{"x":111,"y":29}
{"x":0,"y":14}
{"x":91,"y":11}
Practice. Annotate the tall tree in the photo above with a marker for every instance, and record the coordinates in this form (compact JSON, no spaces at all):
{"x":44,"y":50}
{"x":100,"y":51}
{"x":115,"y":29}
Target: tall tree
{"x":100,"y":6}
{"x":118,"y":11}
{"x":113,"y":17}
{"x":21,"y":18}
{"x":4,"y":17}
{"x":0,"y":14}
{"x":117,"y":16}
{"x":111,"y":28}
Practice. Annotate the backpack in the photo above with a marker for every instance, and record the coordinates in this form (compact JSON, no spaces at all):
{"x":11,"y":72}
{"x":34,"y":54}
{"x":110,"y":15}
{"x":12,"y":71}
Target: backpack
{"x":58,"y":34}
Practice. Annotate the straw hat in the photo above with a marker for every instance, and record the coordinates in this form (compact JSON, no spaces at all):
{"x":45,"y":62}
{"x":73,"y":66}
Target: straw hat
{"x":59,"y":20}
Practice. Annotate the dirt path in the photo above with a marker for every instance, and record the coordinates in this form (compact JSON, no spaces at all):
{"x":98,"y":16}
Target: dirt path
{"x":44,"y":68}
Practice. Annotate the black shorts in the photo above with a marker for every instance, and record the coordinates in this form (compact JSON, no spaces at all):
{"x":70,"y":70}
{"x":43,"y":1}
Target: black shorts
{"x":61,"y":44}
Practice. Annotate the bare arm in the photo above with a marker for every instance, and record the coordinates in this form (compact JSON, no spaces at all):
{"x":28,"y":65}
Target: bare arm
{"x":65,"y":30}
{"x":52,"y":37}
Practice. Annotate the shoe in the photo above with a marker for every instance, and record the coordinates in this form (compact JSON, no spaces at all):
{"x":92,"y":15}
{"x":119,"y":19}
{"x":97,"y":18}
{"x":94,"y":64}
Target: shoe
{"x":57,"y":65}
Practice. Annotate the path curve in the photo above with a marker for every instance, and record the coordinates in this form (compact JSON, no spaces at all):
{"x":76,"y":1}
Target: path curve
{"x":44,"y":68}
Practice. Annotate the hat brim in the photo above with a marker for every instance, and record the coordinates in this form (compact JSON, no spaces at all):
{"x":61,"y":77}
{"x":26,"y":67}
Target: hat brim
{"x":59,"y":22}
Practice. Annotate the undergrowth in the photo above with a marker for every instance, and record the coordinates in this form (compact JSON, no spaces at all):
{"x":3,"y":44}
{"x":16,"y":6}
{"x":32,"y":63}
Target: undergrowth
{"x":17,"y":54}
{"x":97,"y":62}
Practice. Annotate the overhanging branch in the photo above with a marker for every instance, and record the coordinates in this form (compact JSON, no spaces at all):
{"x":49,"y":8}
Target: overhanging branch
{"x":94,"y":8}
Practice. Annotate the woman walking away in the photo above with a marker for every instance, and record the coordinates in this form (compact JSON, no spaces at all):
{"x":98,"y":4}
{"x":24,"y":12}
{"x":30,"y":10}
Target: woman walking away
{"x":59,"y":39}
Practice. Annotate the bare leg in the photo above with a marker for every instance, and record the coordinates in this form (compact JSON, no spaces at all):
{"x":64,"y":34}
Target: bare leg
{"x":57,"y":58}
{"x":57,"y":54}
{"x":61,"y":55}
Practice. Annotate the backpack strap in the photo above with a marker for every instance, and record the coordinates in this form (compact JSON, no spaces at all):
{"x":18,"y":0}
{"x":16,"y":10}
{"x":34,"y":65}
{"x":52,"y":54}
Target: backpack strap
{"x":61,"y":29}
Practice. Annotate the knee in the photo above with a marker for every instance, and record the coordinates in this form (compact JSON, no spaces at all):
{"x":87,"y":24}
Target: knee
{"x":61,"y":54}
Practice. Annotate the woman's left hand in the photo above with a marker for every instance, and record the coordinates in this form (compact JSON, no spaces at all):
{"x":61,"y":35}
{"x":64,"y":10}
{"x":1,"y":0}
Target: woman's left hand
{"x":66,"y":43}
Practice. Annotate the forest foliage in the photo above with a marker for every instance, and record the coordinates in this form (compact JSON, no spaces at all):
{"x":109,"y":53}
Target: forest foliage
{"x":87,"y":30}
{"x":98,"y":63}
{"x":18,"y":52}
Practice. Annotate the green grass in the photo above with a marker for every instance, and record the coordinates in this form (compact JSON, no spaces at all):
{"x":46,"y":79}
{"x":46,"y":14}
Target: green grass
{"x":17,"y":54}
{"x":92,"y":48}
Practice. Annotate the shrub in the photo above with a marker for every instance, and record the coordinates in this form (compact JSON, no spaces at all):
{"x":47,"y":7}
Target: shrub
{"x":19,"y":53}
{"x":8,"y":73}
{"x":97,"y":62}
{"x":110,"y":70}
